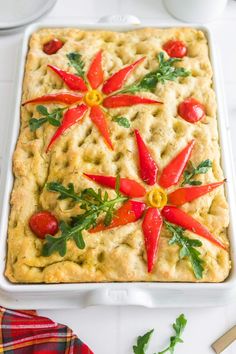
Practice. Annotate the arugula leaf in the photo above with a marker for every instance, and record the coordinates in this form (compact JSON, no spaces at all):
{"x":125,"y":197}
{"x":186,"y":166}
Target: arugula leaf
{"x":94,"y":203}
{"x":79,"y":241}
{"x":179,"y":327}
{"x":189,"y":174}
{"x":58,"y":244}
{"x":64,"y":192}
{"x":76,"y":61}
{"x":165,"y":72}
{"x":142,"y":342}
{"x":54,"y":244}
{"x":186,"y":248}
{"x":122,"y":121}
{"x":52,"y":118}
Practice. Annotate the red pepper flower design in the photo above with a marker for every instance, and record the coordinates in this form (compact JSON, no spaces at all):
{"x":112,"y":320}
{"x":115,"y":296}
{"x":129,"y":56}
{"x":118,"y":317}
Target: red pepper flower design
{"x":160,"y":205}
{"x":96,"y":95}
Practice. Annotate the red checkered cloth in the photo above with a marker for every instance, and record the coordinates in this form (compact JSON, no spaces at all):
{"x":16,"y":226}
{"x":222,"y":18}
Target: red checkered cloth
{"x":24,"y":332}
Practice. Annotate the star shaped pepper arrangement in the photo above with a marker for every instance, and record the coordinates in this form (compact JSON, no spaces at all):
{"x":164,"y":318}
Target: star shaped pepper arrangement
{"x":156,"y":209}
{"x":98,"y":95}
{"x":160,"y":205}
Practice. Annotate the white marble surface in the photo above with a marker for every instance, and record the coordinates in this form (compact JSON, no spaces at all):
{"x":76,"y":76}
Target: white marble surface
{"x":112,"y":330}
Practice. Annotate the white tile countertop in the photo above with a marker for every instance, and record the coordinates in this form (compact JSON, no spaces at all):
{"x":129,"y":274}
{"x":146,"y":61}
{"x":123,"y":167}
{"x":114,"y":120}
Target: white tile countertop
{"x":113,"y":330}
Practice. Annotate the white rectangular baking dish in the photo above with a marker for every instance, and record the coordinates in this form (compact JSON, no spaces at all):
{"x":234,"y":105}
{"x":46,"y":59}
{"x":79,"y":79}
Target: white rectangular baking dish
{"x":26,"y":296}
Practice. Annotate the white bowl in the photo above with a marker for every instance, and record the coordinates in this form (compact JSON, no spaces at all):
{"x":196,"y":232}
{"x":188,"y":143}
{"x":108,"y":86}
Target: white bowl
{"x":199,"y":11}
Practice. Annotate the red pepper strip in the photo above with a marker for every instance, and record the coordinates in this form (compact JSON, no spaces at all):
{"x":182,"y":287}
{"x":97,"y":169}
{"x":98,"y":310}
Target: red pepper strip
{"x":67,"y":98}
{"x":148,"y":167}
{"x":71,"y":117}
{"x":99,"y":119}
{"x":185,"y":195}
{"x":126,"y":101}
{"x":116,"y":81}
{"x":180,"y":218}
{"x":152,"y":225}
{"x":74,"y":82}
{"x":95,"y":73}
{"x":127,"y":186}
{"x":172,"y":172}
{"x":129,"y":212}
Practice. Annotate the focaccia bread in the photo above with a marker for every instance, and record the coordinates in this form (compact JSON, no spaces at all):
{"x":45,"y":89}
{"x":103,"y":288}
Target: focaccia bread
{"x":116,"y":254}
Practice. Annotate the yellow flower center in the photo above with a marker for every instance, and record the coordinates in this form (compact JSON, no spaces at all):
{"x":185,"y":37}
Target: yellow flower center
{"x":93,"y":98}
{"x":157,"y":197}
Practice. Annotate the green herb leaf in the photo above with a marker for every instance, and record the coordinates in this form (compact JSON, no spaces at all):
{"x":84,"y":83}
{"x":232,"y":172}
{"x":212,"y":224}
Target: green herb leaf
{"x":142,"y":343}
{"x":94,"y":203}
{"x":190,"y":173}
{"x":64,"y":192}
{"x":52,"y":118}
{"x":194,"y":183}
{"x":76,"y":61}
{"x":187,"y":248}
{"x":36,"y":123}
{"x":108,"y":218}
{"x":54,"y":122}
{"x":166,"y":71}
{"x":54,"y":244}
{"x":58,"y":244}
{"x":122,"y":121}
{"x":203,"y":167}
{"x":78,"y":238}
{"x":42,"y":110}
{"x":178,"y":327}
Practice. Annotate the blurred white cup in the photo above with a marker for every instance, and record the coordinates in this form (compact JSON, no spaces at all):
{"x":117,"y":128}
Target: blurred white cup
{"x":195,"y":10}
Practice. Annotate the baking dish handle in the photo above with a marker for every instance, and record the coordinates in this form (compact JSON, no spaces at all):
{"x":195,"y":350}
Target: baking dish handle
{"x":120,"y":20}
{"x":118,"y":297}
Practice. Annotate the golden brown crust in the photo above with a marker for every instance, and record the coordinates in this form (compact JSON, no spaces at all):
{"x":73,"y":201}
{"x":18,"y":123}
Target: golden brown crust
{"x":118,"y":254}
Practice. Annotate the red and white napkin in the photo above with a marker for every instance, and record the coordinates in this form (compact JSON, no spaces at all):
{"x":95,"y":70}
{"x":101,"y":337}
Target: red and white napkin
{"x":24,"y":332}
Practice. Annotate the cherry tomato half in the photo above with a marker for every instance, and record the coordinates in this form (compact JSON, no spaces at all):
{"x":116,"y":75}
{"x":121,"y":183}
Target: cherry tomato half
{"x":52,"y":46}
{"x":175,"y":49}
{"x":191,"y":110}
{"x":43,"y":223}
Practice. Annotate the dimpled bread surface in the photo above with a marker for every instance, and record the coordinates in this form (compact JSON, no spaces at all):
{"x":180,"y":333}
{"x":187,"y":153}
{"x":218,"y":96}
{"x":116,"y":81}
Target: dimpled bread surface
{"x":117,"y":254}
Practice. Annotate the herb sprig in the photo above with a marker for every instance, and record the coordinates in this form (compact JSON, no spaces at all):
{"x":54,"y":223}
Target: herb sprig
{"x":64,"y":192}
{"x":187,"y":248}
{"x":52,"y":118}
{"x":94,"y":203}
{"x":190,"y":173}
{"x":179,"y":327}
{"x":122,"y":121}
{"x":142,"y":343}
{"x":75,"y":60}
{"x":165,"y":72}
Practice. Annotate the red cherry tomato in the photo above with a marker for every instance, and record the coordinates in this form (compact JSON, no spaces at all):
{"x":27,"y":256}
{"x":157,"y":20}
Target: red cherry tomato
{"x":191,"y":110}
{"x":52,"y":46}
{"x":175,"y":49}
{"x":43,"y":223}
